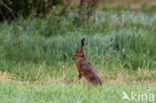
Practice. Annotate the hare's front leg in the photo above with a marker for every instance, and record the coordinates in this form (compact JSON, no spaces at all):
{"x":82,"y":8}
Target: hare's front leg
{"x":79,"y":76}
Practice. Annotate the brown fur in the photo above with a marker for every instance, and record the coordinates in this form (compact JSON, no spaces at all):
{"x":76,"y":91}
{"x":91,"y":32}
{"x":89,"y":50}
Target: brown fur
{"x":85,"y":68}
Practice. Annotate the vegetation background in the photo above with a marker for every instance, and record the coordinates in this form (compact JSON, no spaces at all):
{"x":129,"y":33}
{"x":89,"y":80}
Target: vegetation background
{"x":38,"y":38}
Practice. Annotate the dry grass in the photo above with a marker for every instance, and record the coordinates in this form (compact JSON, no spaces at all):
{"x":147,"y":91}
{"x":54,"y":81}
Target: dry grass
{"x":134,"y":4}
{"x":5,"y":77}
{"x":115,"y":76}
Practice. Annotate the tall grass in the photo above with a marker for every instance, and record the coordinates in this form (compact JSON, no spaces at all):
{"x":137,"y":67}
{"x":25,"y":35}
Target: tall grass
{"x":126,"y":39}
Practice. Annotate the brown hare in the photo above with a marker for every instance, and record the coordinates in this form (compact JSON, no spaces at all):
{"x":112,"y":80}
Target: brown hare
{"x":85,"y":68}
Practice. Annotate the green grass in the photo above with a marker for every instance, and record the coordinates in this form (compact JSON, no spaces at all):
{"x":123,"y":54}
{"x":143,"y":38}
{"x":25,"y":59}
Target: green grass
{"x":112,"y":37}
{"x":109,"y":93}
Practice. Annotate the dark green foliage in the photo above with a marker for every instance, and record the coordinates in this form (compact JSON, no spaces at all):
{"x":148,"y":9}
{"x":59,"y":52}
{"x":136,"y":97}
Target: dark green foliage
{"x":56,"y":2}
{"x":11,"y":9}
{"x":149,"y":8}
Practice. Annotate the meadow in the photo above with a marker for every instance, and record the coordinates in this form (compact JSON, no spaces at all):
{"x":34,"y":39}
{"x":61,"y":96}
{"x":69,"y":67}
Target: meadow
{"x":37,"y":66}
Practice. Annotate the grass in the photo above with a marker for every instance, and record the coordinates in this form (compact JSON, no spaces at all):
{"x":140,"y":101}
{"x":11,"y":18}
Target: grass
{"x":17,"y":93}
{"x":36,"y":62}
{"x":38,"y":40}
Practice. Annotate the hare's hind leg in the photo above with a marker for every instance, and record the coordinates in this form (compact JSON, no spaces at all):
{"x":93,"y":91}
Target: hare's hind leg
{"x":87,"y":82}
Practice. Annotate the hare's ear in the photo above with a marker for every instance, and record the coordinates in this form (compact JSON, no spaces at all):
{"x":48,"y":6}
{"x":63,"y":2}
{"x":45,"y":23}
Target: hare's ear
{"x":82,"y":42}
{"x":82,"y":46}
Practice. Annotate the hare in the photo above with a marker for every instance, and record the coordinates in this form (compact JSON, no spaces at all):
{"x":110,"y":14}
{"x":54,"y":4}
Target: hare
{"x":85,"y":68}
